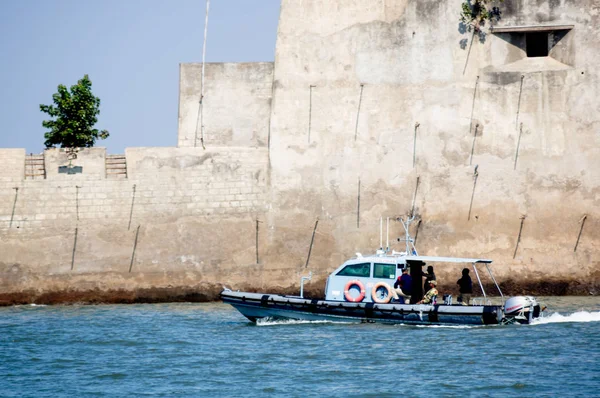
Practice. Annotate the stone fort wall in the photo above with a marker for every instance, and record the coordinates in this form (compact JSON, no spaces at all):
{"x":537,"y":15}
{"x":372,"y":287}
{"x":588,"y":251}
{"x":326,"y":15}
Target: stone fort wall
{"x":370,"y":109}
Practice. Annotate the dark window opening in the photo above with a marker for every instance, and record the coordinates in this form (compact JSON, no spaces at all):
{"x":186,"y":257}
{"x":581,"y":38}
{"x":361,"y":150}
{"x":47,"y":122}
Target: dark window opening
{"x":537,"y":44}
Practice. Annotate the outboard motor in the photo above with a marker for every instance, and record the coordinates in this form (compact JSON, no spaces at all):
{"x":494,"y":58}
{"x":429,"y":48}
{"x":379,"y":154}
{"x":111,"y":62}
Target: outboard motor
{"x":521,"y":309}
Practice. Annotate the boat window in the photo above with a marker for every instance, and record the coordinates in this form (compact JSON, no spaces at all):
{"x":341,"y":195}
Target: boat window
{"x":386,"y":271}
{"x":362,"y":270}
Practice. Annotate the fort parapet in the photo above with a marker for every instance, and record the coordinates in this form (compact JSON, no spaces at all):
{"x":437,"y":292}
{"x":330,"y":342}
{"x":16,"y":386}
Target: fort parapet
{"x":371,"y":109}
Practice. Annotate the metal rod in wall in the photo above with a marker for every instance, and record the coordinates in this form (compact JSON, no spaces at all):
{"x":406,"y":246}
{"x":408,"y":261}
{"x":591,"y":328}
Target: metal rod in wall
{"x":473,"y":144}
{"x":475,"y":176}
{"x":12,"y":216}
{"x":417,"y":233}
{"x":362,"y":86}
{"x":312,"y":241}
{"x":473,"y":105}
{"x":137,"y":232}
{"x":77,"y":201}
{"x":519,"y":102}
{"x":257,"y":222}
{"x":518,"y":145}
{"x":74,"y":249}
{"x":582,"y":221}
{"x":417,"y":124}
{"x":523,"y":217}
{"x":469,"y":52}
{"x":131,"y":210}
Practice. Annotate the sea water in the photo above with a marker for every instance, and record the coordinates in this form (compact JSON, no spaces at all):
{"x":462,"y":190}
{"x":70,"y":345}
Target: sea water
{"x":210,"y":350}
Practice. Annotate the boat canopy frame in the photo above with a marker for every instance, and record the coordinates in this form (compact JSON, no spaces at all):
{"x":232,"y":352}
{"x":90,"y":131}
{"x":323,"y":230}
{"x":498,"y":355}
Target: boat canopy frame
{"x":472,"y":261}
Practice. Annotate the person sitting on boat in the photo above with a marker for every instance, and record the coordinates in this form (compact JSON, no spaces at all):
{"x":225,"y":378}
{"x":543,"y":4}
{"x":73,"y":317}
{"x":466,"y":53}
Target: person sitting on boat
{"x":403,"y":287}
{"x":429,"y":276}
{"x":431,"y":296}
{"x":466,"y":288}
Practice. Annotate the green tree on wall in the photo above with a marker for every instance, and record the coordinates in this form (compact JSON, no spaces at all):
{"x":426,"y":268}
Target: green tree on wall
{"x":75,"y":112}
{"x":475,"y":13}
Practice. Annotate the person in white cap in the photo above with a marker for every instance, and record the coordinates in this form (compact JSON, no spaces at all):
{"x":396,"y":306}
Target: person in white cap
{"x":431,"y":295}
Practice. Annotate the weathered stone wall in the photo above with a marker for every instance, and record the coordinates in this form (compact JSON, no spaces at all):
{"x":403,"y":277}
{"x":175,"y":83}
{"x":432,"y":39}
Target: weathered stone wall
{"x":378,"y":108}
{"x":349,"y":89}
{"x":236,"y":104}
{"x":181,"y":220}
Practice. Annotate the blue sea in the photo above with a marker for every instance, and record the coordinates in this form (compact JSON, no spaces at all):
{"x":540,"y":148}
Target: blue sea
{"x":210,"y":350}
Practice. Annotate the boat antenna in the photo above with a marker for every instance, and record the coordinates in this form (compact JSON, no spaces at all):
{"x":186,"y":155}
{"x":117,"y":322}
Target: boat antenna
{"x":387,"y":233}
{"x":381,"y":232}
{"x":407,"y":239}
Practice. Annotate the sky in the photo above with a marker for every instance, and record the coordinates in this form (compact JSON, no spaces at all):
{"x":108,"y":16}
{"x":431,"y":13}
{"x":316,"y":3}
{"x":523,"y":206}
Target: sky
{"x":131,"y":50}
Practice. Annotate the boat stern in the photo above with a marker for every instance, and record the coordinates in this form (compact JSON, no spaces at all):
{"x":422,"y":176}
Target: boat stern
{"x":521,"y":309}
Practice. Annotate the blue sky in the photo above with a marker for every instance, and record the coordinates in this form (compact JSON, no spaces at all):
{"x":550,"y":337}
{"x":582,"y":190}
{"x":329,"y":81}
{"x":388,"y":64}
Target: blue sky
{"x":131,"y":49}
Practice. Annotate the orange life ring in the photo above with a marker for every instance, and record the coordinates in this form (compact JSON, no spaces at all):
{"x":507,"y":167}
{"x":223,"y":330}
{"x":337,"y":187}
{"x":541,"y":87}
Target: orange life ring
{"x":347,"y":295}
{"x":387,"y":298}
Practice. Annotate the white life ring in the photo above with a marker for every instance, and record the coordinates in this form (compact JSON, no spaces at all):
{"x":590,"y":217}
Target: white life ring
{"x":384,"y":300}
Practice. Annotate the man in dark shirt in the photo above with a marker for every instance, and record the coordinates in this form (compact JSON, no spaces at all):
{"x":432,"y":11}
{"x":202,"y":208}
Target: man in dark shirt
{"x":429,"y":276}
{"x":466,"y":287}
{"x":403,"y":287}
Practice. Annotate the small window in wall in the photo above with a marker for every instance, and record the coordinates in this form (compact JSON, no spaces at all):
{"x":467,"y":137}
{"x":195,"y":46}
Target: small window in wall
{"x":360,"y":270}
{"x":537,"y":44}
{"x":385,"y":271}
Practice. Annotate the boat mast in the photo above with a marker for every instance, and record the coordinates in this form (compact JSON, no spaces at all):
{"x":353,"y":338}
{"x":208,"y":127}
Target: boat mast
{"x":410,"y":247}
{"x":387,"y":236}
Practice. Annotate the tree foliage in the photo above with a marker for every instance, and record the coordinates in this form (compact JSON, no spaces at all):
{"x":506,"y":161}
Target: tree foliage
{"x":475,"y":13}
{"x":75,"y":113}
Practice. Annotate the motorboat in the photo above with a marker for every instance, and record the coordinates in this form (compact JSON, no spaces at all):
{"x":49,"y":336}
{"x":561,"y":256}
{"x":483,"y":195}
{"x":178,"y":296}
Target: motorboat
{"x":360,"y":291}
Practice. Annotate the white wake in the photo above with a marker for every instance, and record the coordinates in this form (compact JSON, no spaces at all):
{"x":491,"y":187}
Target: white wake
{"x":276,"y":321}
{"x":580,"y":316}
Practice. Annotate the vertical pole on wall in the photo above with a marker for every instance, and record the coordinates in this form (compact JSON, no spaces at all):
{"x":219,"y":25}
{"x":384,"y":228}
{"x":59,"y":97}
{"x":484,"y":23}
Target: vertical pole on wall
{"x":312,"y":240}
{"x":519,"y":102}
{"x":473,"y":144}
{"x":523,"y":217}
{"x":417,"y":233}
{"x":475,"y":176}
{"x":201,"y":105}
{"x":12,"y":216}
{"x":358,"y":206}
{"x":362,"y":86}
{"x":77,"y":200}
{"x":137,"y":232}
{"x":473,"y":113}
{"x":412,"y":209}
{"x":582,"y":221}
{"x":518,"y":145}
{"x":74,"y":249}
{"x":310,"y":89}
{"x":469,"y":52}
{"x":417,"y":124}
{"x":257,"y":240}
{"x":131,"y":210}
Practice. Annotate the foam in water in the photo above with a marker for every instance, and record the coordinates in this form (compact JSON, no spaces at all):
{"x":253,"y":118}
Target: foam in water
{"x":580,"y":316}
{"x":272,"y":322}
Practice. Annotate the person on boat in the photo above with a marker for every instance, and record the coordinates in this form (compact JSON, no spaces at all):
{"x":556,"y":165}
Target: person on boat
{"x":465,"y":288}
{"x":431,"y":295}
{"x":403,"y":287}
{"x":429,"y":276}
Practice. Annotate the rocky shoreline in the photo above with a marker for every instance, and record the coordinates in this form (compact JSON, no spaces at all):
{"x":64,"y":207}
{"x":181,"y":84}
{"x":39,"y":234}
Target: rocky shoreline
{"x":210,"y":293}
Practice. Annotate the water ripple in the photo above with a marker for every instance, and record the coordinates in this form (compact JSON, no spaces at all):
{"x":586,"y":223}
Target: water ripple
{"x":211,"y":350}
